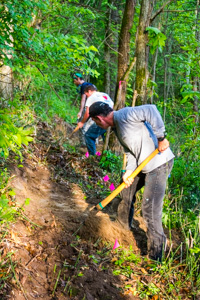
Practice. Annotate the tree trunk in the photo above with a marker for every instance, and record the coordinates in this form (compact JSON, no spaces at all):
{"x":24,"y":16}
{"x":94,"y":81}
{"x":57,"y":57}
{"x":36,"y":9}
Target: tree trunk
{"x":6,"y":75}
{"x":142,"y":51}
{"x":123,"y":68}
{"x":124,"y":49}
{"x":155,"y":57}
{"x":116,"y":19}
{"x":107,"y":52}
{"x":6,"y":82}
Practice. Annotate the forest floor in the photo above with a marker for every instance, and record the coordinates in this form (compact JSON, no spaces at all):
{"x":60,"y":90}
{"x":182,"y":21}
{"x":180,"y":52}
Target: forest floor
{"x":55,"y":257}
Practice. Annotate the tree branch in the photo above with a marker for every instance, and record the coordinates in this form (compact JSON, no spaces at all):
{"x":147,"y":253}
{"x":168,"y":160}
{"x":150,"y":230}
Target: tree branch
{"x":179,"y":10}
{"x":49,"y":83}
{"x":160,"y":10}
{"x":130,"y":67}
{"x":124,"y":78}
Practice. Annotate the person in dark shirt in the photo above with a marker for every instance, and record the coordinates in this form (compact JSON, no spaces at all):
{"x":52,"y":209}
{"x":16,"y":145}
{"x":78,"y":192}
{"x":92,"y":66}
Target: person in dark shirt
{"x":81,"y":83}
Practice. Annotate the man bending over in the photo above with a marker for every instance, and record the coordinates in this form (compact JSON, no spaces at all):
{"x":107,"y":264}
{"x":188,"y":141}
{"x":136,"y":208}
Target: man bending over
{"x":140,"y":130}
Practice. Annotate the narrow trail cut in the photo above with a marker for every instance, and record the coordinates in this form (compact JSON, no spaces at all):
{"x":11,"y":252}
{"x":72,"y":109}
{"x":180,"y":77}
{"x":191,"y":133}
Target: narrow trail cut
{"x":60,"y":186}
{"x":49,"y":258}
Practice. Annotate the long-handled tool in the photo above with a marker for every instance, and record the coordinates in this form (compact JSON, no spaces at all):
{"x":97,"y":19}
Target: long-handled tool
{"x":76,"y":129}
{"x":108,"y":199}
{"x":123,"y":170}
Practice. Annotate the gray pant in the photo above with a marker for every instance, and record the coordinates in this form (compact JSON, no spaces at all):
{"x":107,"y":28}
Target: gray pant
{"x":154,"y":184}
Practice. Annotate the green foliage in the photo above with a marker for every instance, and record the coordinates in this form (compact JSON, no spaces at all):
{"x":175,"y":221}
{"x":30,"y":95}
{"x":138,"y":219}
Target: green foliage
{"x":188,"y":93}
{"x":13,"y":133}
{"x":6,"y":269}
{"x":51,"y":106}
{"x":124,"y":261}
{"x":183,"y":135}
{"x":7,"y":211}
{"x":16,"y":34}
{"x":156,"y":39}
{"x":58,"y":38}
{"x":147,"y":290}
{"x":26,"y":42}
{"x":110,"y":162}
{"x":151,"y":86}
{"x":15,"y":130}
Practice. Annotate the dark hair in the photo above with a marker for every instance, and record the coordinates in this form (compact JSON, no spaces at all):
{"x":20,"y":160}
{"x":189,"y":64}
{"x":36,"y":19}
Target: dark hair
{"x":90,"y":87}
{"x":99,"y":109}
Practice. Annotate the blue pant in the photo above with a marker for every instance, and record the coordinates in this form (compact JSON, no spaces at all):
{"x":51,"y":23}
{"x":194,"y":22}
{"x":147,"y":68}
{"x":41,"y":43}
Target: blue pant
{"x":154,"y":184}
{"x":91,"y":135}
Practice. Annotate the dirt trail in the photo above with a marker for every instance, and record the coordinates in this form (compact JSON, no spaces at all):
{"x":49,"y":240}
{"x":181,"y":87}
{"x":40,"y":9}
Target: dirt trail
{"x":49,"y":257}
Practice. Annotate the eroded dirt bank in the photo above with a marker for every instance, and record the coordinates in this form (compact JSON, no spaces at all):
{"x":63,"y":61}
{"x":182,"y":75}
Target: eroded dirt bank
{"x":55,"y":257}
{"x":52,"y":261}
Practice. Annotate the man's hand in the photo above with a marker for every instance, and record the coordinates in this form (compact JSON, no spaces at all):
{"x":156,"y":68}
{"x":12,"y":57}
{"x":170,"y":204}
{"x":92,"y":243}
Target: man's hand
{"x":80,"y":124}
{"x":127,"y":180}
{"x":79,"y":114}
{"x":162,"y":146}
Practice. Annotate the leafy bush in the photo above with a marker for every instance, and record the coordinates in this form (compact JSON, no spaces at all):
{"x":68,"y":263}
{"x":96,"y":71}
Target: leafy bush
{"x":111,"y":162}
{"x":15,"y":130}
{"x":183,"y":135}
{"x":50,"y":106}
{"x":7,"y":210}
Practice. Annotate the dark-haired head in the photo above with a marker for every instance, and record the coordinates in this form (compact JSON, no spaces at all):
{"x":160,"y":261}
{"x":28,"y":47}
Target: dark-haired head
{"x":99,"y":109}
{"x":90,"y":87}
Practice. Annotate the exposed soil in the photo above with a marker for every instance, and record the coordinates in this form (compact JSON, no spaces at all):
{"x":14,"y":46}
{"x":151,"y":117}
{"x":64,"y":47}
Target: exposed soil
{"x":52,"y":261}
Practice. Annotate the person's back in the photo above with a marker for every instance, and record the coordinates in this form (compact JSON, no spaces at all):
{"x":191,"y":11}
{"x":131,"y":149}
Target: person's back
{"x":133,"y":124}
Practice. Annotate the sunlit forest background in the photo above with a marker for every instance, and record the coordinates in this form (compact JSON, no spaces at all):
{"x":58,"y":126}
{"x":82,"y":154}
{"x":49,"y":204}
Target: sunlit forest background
{"x":137,"y":51}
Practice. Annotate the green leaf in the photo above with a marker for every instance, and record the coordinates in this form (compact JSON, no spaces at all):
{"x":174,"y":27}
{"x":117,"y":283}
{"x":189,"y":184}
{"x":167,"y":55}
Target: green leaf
{"x":27,"y":201}
{"x":12,"y":193}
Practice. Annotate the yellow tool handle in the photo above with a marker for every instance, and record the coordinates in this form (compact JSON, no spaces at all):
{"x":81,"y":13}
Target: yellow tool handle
{"x":103,"y":203}
{"x":76,"y":129}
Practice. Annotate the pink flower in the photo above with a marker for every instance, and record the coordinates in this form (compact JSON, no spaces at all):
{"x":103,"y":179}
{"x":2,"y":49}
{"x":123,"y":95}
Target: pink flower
{"x":87,"y":154}
{"x":98,"y":153}
{"x":106,"y":178}
{"x":116,"y":245}
{"x":112,"y":187}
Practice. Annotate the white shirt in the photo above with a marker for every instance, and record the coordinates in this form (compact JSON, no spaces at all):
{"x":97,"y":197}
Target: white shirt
{"x":99,"y":96}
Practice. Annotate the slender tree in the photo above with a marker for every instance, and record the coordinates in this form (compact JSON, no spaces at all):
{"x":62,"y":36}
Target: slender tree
{"x":123,"y":63}
{"x":124,"y":53}
{"x":142,"y":51}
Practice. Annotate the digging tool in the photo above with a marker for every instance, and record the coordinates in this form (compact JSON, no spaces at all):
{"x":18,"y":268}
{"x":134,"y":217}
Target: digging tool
{"x":75,"y":130}
{"x":124,"y":162}
{"x":123,"y":165}
{"x":108,"y":199}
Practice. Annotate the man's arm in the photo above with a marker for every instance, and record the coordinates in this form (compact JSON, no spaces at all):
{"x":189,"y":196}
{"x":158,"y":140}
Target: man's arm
{"x":83,"y":99}
{"x":85,"y":117}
